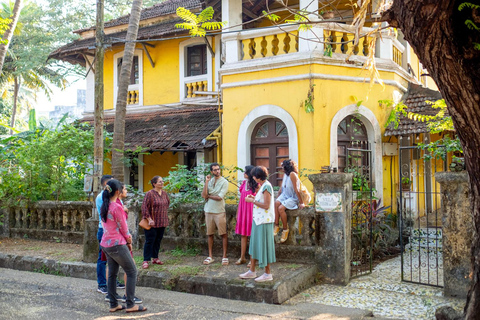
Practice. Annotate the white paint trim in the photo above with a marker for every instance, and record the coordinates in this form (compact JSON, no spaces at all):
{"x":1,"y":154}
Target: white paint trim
{"x":140,"y":172}
{"x":251,"y":120}
{"x":218,"y":54}
{"x":374,"y":133}
{"x":308,"y":76}
{"x":139,"y":86}
{"x":183,"y":62}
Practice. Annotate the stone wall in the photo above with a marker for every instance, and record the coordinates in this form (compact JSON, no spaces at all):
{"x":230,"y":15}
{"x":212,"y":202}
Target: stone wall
{"x":47,"y":220}
{"x":457,"y":231}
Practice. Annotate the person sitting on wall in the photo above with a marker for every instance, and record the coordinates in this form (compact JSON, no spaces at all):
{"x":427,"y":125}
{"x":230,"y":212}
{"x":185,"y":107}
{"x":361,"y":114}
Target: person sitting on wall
{"x":214,"y":192}
{"x":289,"y":197}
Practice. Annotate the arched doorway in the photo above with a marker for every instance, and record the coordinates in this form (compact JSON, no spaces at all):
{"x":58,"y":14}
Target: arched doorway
{"x":269,"y":147}
{"x":352,"y":134}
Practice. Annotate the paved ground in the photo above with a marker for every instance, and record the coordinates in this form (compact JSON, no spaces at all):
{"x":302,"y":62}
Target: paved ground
{"x":384,"y":293}
{"x":28,"y":295}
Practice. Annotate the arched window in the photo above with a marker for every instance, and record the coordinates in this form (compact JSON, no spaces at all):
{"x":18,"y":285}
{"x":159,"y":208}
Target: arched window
{"x":269,"y":147}
{"x":351,"y":134}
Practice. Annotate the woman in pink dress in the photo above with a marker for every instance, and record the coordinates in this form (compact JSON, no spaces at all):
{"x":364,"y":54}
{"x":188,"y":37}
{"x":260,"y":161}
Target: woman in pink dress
{"x":244,"y":212}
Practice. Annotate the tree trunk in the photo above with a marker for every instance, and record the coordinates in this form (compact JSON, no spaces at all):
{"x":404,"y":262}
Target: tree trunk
{"x":118,"y":144}
{"x":16,"y":89}
{"x":437,"y":32}
{"x":98,"y":110}
{"x":7,"y":36}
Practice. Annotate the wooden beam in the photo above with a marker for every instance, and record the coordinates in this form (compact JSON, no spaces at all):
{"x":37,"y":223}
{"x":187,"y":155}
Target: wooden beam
{"x":89,"y":64}
{"x":249,"y":13}
{"x":149,"y":44}
{"x":148,"y":55}
{"x":209,"y":47}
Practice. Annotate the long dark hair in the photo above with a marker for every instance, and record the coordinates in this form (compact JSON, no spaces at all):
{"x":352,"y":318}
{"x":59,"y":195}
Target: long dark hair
{"x":289,"y":166}
{"x":111,"y":187}
{"x":252,"y":184}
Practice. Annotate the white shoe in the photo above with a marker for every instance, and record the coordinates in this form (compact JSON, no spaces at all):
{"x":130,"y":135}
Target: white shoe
{"x":264,"y":277}
{"x":248,"y":275}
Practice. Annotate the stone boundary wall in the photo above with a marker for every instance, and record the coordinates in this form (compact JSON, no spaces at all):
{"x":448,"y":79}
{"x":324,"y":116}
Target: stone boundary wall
{"x":50,"y":220}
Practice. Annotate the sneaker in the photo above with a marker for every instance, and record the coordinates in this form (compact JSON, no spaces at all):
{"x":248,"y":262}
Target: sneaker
{"x":248,"y":275}
{"x":135,"y":299}
{"x":264,"y":277}
{"x":284,"y":236}
{"x":276,"y":229}
{"x":102,"y":289}
{"x":119,"y":298}
{"x":120,"y":285}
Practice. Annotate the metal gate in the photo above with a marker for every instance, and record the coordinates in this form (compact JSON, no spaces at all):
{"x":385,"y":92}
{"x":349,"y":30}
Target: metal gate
{"x":420,"y":223}
{"x":359,"y":163}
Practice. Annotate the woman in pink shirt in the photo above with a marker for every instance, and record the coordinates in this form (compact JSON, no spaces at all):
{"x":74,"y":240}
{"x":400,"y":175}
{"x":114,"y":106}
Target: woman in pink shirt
{"x":117,"y":244}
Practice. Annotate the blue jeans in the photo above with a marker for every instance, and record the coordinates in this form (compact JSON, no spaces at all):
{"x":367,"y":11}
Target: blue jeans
{"x":120,"y":256}
{"x":153,"y":238}
{"x":101,"y":265}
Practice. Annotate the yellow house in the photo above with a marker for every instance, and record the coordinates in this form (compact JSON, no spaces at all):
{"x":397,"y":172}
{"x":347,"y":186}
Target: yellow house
{"x":250,"y":87}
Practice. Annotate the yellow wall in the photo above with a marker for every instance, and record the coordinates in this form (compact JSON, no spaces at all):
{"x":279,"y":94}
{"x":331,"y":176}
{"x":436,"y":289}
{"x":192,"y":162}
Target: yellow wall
{"x":156,"y":164}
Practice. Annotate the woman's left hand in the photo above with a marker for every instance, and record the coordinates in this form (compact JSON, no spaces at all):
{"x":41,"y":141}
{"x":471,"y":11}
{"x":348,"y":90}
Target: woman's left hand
{"x":250,"y":198}
{"x":129,"y":246}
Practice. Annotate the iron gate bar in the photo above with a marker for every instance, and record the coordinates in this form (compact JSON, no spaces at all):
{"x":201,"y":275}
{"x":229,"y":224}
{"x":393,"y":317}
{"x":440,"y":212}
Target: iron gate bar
{"x":402,"y":224}
{"x":368,"y":153}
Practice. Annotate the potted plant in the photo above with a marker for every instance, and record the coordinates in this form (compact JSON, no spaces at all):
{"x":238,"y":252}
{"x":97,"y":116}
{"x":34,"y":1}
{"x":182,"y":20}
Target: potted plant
{"x":405,"y":183}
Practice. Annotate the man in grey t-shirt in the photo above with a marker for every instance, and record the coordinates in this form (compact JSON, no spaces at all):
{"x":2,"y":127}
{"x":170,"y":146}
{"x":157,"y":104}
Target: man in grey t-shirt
{"x":214,"y":192}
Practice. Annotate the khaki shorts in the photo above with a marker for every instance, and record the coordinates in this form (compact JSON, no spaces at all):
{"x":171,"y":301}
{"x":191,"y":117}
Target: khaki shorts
{"x":218,"y":219}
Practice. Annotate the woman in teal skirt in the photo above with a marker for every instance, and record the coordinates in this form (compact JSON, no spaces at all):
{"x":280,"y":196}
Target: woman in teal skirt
{"x":262,"y":243}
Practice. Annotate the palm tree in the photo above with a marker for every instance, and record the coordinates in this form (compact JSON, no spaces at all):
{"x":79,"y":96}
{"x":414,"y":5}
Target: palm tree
{"x":7,"y":36}
{"x":118,"y":143}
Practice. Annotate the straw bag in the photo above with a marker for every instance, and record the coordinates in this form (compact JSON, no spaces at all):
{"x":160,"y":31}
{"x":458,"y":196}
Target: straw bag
{"x":306,"y":196}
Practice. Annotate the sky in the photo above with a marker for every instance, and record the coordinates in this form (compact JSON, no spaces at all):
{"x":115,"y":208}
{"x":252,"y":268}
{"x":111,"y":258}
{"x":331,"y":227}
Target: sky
{"x":67,"y":97}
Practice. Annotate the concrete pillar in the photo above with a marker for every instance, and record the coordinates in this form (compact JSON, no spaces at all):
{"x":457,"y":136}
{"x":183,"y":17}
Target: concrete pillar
{"x":309,"y":39}
{"x":333,"y":207}
{"x":90,"y":242}
{"x":232,"y":14}
{"x":457,"y":232}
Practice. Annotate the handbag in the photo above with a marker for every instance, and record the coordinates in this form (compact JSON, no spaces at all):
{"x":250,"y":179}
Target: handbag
{"x":305,"y":194}
{"x":144,"y":224}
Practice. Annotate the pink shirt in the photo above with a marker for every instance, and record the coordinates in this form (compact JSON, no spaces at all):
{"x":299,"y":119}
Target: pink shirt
{"x":115,"y":229}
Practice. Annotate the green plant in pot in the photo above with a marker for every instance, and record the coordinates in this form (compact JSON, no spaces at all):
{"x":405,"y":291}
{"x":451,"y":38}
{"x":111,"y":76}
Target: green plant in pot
{"x":406,"y":183}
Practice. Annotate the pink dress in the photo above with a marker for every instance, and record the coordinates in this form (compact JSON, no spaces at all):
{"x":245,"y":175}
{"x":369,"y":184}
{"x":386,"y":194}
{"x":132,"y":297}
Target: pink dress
{"x":244,"y":212}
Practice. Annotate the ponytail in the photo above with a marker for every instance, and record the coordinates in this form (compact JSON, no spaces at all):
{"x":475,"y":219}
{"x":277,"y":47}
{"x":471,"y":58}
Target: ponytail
{"x":111,"y":187}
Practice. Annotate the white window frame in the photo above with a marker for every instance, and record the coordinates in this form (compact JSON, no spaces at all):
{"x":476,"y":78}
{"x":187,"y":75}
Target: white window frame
{"x":183,"y":62}
{"x":139,"y":86}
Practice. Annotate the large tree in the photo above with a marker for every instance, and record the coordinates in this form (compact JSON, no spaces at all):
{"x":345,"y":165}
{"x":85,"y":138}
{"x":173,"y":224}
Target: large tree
{"x":441,"y":38}
{"x":118,"y":144}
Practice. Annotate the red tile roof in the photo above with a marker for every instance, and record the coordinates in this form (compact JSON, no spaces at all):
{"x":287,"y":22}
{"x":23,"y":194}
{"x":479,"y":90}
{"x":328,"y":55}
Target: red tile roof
{"x":416,"y":101}
{"x":178,"y":129}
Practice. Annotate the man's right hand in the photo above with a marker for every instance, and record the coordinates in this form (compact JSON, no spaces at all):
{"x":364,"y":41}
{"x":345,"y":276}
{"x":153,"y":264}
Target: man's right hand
{"x":207,"y":178}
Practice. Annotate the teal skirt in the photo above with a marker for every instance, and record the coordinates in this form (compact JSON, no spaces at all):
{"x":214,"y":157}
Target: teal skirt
{"x":262,"y":244}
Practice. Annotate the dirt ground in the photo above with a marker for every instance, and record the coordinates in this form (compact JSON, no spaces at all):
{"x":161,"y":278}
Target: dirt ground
{"x":44,"y":249}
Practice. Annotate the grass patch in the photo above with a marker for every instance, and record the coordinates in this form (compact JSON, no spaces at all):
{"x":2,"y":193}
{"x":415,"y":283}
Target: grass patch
{"x":46,"y":270}
{"x":185,"y":271}
{"x":188,"y":252}
{"x":33,"y":248}
{"x":173,"y":261}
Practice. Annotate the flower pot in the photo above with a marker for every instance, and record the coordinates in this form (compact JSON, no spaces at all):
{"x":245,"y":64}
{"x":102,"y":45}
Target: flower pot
{"x":328,"y":15}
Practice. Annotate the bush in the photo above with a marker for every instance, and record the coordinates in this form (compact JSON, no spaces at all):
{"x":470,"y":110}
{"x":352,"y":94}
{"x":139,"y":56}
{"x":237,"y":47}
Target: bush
{"x":45,"y":164}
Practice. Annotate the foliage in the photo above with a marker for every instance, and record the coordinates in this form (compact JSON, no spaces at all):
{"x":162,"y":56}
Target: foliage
{"x":198,"y":25}
{"x":184,"y":185}
{"x":308,"y":103}
{"x":469,"y":23}
{"x":439,"y":149}
{"x":45,"y":164}
{"x":272,"y":16}
{"x":188,"y":252}
{"x":300,"y":18}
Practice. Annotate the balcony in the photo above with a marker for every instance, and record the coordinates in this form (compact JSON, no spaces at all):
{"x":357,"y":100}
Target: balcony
{"x":284,"y":45}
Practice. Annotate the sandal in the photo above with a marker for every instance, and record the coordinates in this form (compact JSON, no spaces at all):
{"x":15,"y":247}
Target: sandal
{"x":157,"y":261}
{"x":137,"y":308}
{"x":225,"y":262}
{"x":284,"y":236}
{"x":145,"y":265}
{"x":117,"y":308}
{"x":240,"y":261}
{"x":209,"y":260}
